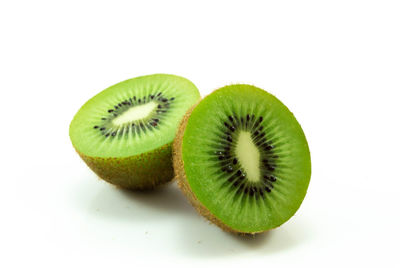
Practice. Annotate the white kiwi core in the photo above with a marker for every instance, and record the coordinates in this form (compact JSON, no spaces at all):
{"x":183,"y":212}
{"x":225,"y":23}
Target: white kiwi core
{"x":248,"y":156}
{"x":135,"y":113}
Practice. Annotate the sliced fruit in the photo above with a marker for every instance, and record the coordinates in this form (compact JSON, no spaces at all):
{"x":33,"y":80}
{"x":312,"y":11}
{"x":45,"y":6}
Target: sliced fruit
{"x":125,"y":132}
{"x":242,"y":159}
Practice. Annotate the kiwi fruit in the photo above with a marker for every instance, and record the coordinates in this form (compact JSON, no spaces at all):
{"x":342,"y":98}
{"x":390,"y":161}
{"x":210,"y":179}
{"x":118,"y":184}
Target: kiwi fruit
{"x":125,"y":133}
{"x":242,"y":159}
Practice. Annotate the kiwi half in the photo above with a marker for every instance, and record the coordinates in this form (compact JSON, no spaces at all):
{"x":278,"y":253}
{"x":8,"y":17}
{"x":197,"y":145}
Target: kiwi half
{"x":125,"y":133}
{"x":242,"y":159}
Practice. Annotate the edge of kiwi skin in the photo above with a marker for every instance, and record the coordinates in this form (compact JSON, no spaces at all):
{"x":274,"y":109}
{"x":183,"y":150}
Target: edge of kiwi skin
{"x":136,"y":172}
{"x":183,"y":182}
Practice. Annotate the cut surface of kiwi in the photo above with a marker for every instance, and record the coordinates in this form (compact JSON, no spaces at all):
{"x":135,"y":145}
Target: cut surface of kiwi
{"x":242,"y":159}
{"x":125,"y":132}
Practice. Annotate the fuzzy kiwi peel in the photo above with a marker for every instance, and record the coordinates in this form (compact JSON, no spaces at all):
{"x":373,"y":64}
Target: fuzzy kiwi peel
{"x":181,"y":178}
{"x":125,"y":133}
{"x":255,"y":201}
{"x":138,"y":172}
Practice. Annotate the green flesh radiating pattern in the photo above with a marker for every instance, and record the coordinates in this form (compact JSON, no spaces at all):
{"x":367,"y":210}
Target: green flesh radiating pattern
{"x":132,"y":117}
{"x":246,"y":158}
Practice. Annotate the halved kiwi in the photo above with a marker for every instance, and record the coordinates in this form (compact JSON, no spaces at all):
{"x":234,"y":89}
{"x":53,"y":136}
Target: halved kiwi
{"x":124,"y":133}
{"x":242,"y":159}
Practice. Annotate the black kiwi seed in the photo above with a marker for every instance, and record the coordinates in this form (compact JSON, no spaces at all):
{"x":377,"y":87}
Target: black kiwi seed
{"x":261,"y":192}
{"x":172,"y":98}
{"x":96,"y":127}
{"x":251,"y":190}
{"x":235,"y":161}
{"x":269,"y":178}
{"x":260,"y":142}
{"x":229,"y":138}
{"x":111,"y":110}
{"x":230,"y":118}
{"x":103,"y":128}
{"x":164,"y":100}
{"x":159,"y":94}
{"x":248,"y":117}
{"x":103,"y":118}
{"x":114,"y":133}
{"x":159,"y":106}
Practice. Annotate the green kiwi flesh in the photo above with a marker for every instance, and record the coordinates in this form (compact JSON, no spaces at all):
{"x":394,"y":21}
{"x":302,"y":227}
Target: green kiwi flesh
{"x":124,"y":133}
{"x":242,"y":159}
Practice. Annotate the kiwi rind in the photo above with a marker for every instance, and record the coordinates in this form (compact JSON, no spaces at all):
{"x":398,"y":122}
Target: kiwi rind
{"x":180,"y":176}
{"x":138,"y":172}
{"x":186,"y":188}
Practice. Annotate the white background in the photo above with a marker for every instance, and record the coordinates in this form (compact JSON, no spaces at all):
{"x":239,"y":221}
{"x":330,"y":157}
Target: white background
{"x":335,"y":64}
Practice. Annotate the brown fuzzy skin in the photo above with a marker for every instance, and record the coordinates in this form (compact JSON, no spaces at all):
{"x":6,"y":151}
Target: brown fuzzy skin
{"x":138,"y":172}
{"x":183,"y":183}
